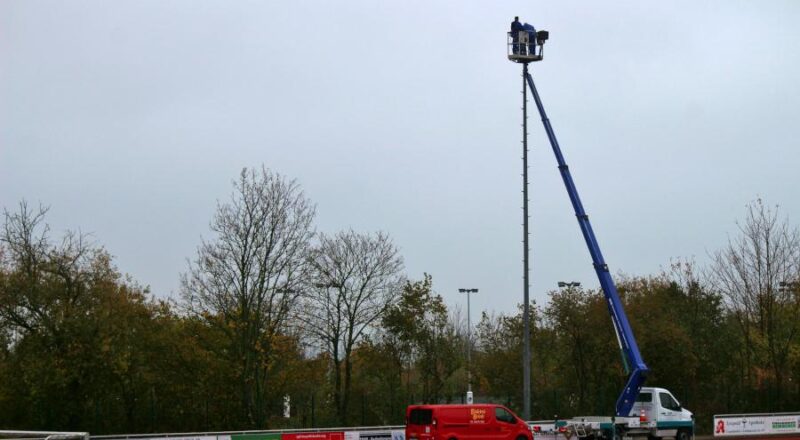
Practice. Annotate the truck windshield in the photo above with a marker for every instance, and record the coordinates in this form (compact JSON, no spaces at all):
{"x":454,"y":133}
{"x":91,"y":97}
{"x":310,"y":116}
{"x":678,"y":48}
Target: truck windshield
{"x":420,"y":416}
{"x":644,"y":398}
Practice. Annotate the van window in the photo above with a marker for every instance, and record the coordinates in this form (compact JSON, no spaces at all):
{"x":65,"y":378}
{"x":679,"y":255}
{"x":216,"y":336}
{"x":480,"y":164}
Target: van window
{"x":420,"y":416}
{"x":644,"y":398}
{"x":668,"y":402}
{"x":503,"y":415}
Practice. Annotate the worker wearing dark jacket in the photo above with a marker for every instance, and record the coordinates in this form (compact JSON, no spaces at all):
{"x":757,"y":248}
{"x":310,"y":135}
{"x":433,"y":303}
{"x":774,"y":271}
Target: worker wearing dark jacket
{"x":516,"y":27}
{"x":531,"y":38}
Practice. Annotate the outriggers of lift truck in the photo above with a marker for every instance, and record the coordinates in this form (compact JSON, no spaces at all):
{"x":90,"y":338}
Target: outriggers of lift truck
{"x":639,"y":411}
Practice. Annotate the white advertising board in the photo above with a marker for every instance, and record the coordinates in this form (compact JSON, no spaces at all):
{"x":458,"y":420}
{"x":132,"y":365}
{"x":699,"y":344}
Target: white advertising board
{"x":734,"y":425}
{"x":380,"y":435}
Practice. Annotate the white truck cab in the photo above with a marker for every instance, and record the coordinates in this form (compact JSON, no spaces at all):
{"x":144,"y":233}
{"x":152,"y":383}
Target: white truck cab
{"x":659,"y":409}
{"x":655,"y":414}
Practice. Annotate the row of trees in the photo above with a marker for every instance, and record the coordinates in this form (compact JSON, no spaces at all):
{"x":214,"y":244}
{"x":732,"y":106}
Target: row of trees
{"x":270,"y":309}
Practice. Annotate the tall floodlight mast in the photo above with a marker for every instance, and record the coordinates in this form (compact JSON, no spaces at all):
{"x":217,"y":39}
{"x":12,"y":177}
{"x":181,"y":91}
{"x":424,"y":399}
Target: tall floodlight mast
{"x":525,"y":46}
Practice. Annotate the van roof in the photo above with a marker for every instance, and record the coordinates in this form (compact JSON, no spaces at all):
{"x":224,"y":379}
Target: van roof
{"x":434,"y":406}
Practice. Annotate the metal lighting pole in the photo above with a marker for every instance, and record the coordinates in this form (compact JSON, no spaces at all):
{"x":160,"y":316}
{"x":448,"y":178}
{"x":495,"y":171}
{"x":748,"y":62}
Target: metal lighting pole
{"x":469,"y":345}
{"x":522,"y":48}
{"x":568,"y":285}
{"x":526,"y":337}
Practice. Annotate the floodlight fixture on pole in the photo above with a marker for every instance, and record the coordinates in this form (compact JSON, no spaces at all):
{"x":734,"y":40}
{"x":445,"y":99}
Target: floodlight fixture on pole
{"x":569,"y":284}
{"x":469,"y":345}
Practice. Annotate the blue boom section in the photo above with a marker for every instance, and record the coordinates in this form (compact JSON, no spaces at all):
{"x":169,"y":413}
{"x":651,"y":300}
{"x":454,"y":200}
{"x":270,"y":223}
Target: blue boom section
{"x":634,"y":364}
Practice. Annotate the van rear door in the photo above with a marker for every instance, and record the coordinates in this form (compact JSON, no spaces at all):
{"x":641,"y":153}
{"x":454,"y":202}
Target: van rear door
{"x":420,"y":424}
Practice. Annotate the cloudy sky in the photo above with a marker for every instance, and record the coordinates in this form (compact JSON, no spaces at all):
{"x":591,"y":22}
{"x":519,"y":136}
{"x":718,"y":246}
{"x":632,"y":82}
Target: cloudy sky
{"x":131,"y":118}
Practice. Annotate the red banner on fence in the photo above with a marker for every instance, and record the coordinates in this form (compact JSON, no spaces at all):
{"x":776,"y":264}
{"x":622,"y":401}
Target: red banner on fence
{"x":314,"y":436}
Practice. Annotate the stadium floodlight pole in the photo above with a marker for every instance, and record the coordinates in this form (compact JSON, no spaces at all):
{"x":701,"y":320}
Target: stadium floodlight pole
{"x":526,"y":337}
{"x":469,"y":345}
{"x":525,"y":45}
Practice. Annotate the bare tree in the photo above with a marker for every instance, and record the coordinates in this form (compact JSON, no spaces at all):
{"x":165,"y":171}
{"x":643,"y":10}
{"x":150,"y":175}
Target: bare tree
{"x":245,"y":280}
{"x":355,"y":278}
{"x":752,"y":272}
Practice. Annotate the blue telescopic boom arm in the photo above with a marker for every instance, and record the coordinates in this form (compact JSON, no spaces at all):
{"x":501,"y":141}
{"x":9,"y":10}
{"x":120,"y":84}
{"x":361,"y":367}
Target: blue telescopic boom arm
{"x":634,"y":364}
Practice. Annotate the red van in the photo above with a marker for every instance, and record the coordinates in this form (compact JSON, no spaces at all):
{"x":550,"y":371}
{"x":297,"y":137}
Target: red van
{"x":464,"y":422}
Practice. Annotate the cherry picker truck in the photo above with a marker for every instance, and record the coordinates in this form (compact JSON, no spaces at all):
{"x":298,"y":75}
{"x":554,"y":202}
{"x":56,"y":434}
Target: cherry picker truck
{"x":640,"y":411}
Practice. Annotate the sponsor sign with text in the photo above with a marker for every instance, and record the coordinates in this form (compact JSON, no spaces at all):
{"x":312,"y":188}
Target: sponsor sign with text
{"x":725,"y":426}
{"x":314,"y":436}
{"x":378,"y":435}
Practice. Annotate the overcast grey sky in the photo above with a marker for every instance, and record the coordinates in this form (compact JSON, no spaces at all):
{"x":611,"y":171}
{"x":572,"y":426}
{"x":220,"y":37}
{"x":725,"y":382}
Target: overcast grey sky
{"x":131,"y":118}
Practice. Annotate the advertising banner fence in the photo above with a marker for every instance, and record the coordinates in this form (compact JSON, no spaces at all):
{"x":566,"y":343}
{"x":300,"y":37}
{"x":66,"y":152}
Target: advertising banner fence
{"x":197,"y":437}
{"x":378,"y":435}
{"x":313,"y":436}
{"x":371,"y":433}
{"x":265,"y":436}
{"x":756,"y":424}
{"x":375,"y":435}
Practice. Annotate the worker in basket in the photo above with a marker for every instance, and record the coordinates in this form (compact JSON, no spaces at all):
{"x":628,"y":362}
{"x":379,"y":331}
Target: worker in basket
{"x":516,"y":27}
{"x":531,"y":38}
{"x":523,"y":49}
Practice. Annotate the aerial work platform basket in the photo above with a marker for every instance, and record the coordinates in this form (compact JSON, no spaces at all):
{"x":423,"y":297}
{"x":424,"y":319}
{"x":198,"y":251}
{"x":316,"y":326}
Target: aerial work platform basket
{"x":526,"y":46}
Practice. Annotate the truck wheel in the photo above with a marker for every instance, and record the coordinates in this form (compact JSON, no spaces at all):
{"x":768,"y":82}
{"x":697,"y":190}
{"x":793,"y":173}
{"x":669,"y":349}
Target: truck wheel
{"x":522,"y":437}
{"x":683,"y":434}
